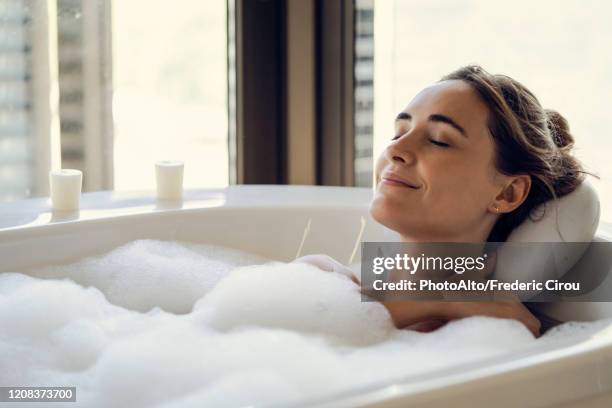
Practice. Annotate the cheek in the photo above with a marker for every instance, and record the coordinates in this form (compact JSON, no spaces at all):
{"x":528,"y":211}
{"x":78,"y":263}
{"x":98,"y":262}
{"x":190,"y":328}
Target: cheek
{"x":381,"y":162}
{"x":459,"y":188}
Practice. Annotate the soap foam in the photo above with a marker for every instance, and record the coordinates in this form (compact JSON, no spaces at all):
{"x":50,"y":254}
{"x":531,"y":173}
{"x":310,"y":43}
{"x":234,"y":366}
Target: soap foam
{"x":297,"y":297}
{"x":272,"y":333}
{"x":168,"y":275}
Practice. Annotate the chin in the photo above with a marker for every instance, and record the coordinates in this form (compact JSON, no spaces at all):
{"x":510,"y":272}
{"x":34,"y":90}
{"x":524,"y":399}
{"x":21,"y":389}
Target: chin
{"x":402,"y":217}
{"x":388,"y":213}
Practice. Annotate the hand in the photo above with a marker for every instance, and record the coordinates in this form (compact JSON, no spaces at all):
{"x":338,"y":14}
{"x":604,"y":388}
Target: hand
{"x":430,"y":314}
{"x":427,"y":325}
{"x":328,"y":264}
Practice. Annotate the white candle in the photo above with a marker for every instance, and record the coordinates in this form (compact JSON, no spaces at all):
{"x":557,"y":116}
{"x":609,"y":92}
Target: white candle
{"x":65,"y":189}
{"x":169,"y":177}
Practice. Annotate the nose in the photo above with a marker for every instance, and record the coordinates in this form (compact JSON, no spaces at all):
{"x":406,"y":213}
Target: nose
{"x":401,"y":151}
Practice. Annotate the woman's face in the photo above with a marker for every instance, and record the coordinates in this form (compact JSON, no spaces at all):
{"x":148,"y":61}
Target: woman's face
{"x":436,"y":180}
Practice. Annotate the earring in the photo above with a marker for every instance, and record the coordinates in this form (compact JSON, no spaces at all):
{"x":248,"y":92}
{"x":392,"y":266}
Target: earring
{"x":496,"y":208}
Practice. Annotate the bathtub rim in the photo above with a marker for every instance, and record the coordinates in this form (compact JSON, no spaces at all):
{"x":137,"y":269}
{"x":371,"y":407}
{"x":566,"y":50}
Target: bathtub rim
{"x":108,"y":204}
{"x":490,"y":376}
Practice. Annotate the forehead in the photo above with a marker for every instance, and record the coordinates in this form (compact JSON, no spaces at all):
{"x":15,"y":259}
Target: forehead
{"x":453,"y":98}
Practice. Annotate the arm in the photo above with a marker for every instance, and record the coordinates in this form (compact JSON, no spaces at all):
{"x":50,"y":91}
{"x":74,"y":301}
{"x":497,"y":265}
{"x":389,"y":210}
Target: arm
{"x":406,"y":313}
{"x":428,"y":315}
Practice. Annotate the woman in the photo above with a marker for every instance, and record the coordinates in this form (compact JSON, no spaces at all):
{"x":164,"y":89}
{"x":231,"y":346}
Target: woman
{"x":472,"y":155}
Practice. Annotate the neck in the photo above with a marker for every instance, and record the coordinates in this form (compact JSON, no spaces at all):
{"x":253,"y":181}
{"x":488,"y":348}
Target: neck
{"x":476,"y":240}
{"x":467,"y":237}
{"x":477,"y":233}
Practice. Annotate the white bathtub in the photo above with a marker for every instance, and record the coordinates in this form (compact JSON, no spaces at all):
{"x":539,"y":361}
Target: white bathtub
{"x":270,"y":221}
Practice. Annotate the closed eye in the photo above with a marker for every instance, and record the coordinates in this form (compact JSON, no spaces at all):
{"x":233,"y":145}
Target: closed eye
{"x":441,"y":144}
{"x":434,"y":142}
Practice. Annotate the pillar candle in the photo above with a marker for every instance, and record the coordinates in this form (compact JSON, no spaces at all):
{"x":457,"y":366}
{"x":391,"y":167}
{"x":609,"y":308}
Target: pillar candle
{"x":169,"y":177}
{"x":65,"y":187}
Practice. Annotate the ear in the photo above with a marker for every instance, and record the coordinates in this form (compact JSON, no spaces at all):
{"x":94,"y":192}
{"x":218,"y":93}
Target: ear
{"x":513,"y":193}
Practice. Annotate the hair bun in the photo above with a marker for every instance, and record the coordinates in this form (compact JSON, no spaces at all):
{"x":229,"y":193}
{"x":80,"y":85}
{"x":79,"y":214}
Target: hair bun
{"x":559,"y":130}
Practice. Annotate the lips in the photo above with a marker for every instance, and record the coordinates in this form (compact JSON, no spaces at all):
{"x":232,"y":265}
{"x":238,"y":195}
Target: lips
{"x":395,"y":180}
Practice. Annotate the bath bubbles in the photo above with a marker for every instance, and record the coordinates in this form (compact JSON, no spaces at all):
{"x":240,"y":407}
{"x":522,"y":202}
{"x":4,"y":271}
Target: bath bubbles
{"x":168,"y":325}
{"x":296,"y":297}
{"x":147,"y":273}
{"x":33,"y":308}
{"x":33,"y":314}
{"x":256,"y":388}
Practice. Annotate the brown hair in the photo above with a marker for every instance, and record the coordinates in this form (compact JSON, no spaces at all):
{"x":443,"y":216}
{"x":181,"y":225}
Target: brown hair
{"x":528,"y":140}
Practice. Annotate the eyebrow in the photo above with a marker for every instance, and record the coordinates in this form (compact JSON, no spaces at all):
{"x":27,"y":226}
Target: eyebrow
{"x":436,"y":117}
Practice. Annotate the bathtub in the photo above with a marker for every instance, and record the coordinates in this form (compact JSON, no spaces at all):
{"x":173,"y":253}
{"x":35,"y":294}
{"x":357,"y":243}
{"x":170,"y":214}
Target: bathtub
{"x":270,"y":221}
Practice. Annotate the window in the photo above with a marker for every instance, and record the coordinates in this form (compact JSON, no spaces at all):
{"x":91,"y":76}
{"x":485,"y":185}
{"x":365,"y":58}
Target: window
{"x":364,"y":91}
{"x":561,"y":53}
{"x":170,"y":86}
{"x":110,"y":87}
{"x":27,"y":131}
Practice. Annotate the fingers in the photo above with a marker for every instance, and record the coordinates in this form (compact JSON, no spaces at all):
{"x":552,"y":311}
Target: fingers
{"x":532,"y":322}
{"x":323,"y":262}
{"x":518,"y":311}
{"x":328,"y":264}
{"x":427,"y":325}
